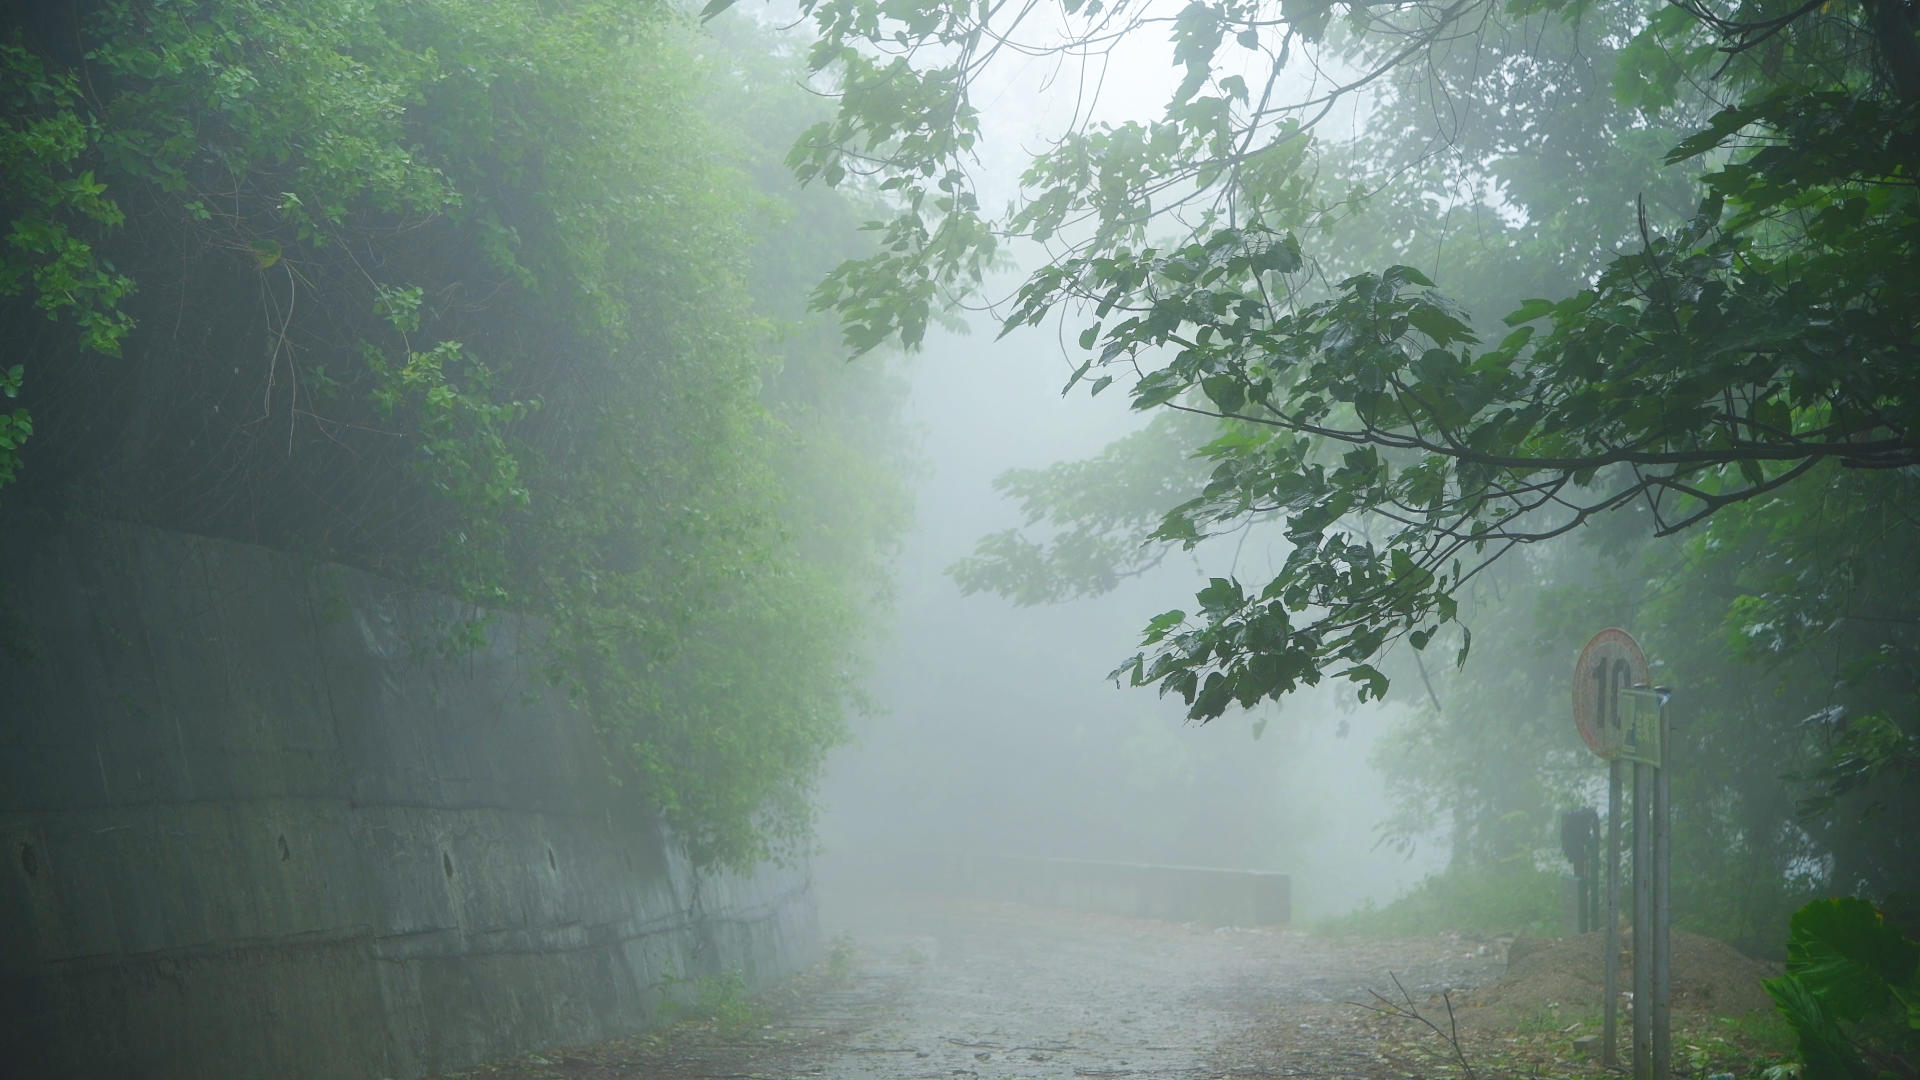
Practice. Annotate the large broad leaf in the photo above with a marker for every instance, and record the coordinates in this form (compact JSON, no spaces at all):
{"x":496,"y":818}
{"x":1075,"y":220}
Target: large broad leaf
{"x":1910,"y":1003}
{"x":1823,"y":1047}
{"x":1847,"y":956}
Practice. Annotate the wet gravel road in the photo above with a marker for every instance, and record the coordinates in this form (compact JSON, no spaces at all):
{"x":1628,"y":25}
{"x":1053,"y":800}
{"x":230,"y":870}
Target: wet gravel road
{"x":944,"y":989}
{"x":938,"y":989}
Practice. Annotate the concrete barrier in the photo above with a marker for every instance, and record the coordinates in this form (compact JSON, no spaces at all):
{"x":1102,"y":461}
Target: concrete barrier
{"x":1219,"y":897}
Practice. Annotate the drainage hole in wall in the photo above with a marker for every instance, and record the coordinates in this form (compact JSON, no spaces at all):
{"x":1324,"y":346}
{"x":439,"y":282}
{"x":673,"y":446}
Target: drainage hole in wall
{"x":29,"y":861}
{"x":446,"y":863}
{"x":285,"y":852}
{"x":552,"y":864}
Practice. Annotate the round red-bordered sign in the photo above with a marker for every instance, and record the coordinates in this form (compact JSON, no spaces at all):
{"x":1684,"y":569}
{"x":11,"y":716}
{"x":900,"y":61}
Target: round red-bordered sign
{"x":1610,"y":663}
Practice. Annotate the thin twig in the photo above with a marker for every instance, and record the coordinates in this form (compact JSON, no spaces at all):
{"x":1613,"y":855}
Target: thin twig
{"x":1406,"y":1009}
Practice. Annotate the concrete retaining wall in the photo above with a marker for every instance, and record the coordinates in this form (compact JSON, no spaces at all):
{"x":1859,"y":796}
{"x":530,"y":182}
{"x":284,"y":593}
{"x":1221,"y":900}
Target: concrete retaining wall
{"x":246,"y":832}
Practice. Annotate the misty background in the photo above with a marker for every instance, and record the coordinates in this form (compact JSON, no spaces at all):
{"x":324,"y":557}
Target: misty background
{"x":993,"y":728}
{"x":483,"y":518}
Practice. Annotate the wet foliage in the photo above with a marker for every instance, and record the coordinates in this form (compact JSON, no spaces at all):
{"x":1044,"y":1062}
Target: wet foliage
{"x":1599,"y":318}
{"x":492,"y":296}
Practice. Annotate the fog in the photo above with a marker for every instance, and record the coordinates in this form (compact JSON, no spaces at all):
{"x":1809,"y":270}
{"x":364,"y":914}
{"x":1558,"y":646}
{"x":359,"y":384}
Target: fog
{"x":994,"y":728}
{"x":515,"y":517}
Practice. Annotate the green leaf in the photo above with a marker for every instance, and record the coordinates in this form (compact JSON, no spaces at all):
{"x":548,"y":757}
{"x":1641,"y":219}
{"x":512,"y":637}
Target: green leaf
{"x":1724,"y":124}
{"x":1227,"y":392}
{"x":1308,"y":17}
{"x":1529,"y":310}
{"x":1409,"y":274}
{"x":1443,"y":328}
{"x":1848,"y":957}
{"x":1220,"y":596}
{"x":1161,"y":625}
{"x":1515,"y":341}
{"x":1909,"y":999}
{"x":1074,"y":380}
{"x":1823,"y":1046}
{"x":1280,"y":257}
{"x":1373,"y":684}
{"x":1214,"y":698}
{"x":1196,"y":37}
{"x":1158,"y":388}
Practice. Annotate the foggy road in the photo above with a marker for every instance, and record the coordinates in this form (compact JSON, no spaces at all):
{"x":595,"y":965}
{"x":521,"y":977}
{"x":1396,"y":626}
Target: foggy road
{"x":937,"y":988}
{"x":951,"y":988}
{"x":946,"y":989}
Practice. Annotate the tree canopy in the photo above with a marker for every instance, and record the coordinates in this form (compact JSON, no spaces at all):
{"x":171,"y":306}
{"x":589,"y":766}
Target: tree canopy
{"x":493,"y":296}
{"x":1699,"y":223}
{"x":1526,"y":315}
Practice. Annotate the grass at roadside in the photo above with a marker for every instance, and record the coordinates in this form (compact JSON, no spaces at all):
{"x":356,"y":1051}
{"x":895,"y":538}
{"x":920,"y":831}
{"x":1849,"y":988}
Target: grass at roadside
{"x":708,"y":1025}
{"x":1533,"y":1027}
{"x":1544,"y":1048}
{"x":1509,"y":899}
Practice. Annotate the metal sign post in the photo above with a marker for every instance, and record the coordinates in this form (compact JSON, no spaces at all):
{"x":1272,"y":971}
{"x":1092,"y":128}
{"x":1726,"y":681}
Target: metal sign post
{"x":1610,"y":943}
{"x":1621,"y":720}
{"x":1662,"y":905}
{"x":1642,"y":921}
{"x":1647,"y":746}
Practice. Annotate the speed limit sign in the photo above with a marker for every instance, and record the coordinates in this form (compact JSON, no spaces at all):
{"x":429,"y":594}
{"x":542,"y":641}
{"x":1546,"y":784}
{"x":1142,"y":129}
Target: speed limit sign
{"x":1625,"y":721}
{"x":1611,"y":662}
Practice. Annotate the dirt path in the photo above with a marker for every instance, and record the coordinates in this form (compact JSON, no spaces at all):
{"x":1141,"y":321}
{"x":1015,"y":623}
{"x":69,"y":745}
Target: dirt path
{"x":934,"y":989}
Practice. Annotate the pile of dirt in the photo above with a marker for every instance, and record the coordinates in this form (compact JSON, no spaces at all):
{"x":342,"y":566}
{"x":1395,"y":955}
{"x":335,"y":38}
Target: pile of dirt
{"x":1549,"y":977}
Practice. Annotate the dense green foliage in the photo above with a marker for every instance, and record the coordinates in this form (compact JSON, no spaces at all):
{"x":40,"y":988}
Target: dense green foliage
{"x":1785,"y":628}
{"x":493,"y":295}
{"x":1736,"y":345}
{"x":1701,"y":224}
{"x":1851,"y":993}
